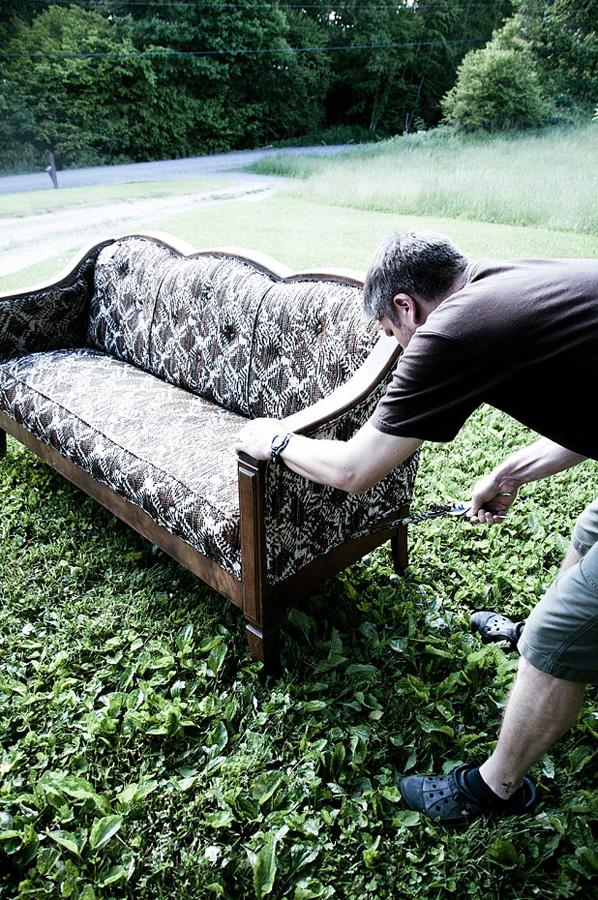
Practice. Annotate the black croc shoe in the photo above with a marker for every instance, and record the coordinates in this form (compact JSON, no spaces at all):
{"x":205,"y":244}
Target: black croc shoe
{"x":493,"y":627}
{"x":448,"y":800}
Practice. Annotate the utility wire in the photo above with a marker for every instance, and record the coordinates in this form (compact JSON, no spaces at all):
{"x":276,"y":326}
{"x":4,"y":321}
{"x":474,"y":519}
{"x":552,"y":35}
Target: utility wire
{"x":234,"y":52}
{"x":169,"y":4}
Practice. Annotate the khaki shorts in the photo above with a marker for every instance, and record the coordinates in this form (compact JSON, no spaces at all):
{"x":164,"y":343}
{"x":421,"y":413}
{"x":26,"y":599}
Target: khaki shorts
{"x":561,"y":634}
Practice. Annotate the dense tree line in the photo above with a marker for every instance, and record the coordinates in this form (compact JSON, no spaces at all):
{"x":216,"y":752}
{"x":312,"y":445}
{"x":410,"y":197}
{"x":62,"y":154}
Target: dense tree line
{"x":101,"y":81}
{"x":98,"y":81}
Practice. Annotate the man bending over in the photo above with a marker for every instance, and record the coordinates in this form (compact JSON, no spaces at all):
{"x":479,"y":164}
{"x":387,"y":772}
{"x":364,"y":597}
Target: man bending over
{"x":521,"y":336}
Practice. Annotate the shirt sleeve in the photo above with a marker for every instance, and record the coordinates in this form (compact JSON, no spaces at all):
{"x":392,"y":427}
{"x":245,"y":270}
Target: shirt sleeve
{"x":437,"y":385}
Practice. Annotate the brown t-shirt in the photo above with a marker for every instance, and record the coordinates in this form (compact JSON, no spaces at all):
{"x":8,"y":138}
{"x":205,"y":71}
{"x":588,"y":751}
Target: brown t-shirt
{"x":519,"y":335}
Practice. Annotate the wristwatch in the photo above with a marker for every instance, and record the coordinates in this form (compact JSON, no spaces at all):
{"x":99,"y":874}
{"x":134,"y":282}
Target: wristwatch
{"x":279,"y":442}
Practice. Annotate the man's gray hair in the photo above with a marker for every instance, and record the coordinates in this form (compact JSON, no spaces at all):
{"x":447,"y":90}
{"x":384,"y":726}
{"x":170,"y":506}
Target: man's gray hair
{"x":422,"y":264}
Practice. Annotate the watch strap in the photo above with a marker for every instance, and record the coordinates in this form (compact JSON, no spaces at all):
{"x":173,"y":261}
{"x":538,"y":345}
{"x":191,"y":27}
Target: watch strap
{"x":279,"y":442}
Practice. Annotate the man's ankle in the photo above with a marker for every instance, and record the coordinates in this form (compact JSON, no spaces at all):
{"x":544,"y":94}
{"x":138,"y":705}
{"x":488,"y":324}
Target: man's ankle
{"x":503,"y":788}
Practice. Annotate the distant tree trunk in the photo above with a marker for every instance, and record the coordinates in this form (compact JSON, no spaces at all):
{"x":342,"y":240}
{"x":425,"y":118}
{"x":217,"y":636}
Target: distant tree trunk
{"x":382,"y":95}
{"x":51,"y":170}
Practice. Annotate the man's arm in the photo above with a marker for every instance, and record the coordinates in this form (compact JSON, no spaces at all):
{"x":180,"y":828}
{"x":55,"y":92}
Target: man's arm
{"x":352,"y":466}
{"x":493,"y":495}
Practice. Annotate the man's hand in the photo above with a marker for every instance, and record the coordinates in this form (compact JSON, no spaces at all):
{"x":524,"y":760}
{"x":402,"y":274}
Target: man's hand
{"x":352,"y":466}
{"x":256,"y":437}
{"x":491,"y":500}
{"x":493,"y":495}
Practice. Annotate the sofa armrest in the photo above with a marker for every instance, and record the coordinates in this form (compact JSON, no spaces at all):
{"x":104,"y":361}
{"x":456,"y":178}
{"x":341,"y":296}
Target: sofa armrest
{"x":304,"y":520}
{"x":48,"y":317}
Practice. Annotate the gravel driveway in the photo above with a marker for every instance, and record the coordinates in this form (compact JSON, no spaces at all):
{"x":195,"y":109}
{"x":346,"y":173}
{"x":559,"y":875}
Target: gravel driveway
{"x":33,"y":239}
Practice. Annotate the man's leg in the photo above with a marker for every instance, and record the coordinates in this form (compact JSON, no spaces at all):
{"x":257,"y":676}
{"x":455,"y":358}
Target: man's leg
{"x":540,"y":709}
{"x":559,"y":648}
{"x":494,"y":627}
{"x":542,"y":706}
{"x":571,"y":558}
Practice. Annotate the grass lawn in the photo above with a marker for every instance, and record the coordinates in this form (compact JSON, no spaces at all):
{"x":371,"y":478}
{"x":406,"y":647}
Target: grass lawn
{"x":547,"y":179}
{"x":37,"y":203}
{"x":145,"y":756}
{"x":305,"y":234}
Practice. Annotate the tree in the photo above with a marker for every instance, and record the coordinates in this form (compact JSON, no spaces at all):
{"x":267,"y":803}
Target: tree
{"x":368,"y":73}
{"x":188,"y":79}
{"x":74,"y":94}
{"x":565,"y":43}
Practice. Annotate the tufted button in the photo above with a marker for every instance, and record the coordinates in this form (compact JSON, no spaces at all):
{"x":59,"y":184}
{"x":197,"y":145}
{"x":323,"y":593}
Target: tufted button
{"x":122,"y":268}
{"x":319,"y":328}
{"x":229,"y":332}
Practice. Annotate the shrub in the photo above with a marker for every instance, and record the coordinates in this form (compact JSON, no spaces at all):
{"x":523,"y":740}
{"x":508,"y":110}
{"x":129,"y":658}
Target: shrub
{"x":498,"y":87}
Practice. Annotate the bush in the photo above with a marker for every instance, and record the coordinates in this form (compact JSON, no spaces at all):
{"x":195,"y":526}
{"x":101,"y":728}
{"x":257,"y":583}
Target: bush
{"x":498,"y":87}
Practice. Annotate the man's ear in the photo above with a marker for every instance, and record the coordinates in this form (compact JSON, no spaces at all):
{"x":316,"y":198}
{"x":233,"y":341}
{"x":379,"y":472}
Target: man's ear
{"x":406,"y":306}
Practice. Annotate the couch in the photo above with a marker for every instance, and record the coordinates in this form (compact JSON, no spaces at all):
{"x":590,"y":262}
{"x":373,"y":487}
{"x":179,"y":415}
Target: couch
{"x":132,"y":373}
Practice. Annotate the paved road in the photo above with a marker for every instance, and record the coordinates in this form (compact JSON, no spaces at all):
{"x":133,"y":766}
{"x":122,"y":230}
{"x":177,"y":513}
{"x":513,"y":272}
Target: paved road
{"x":164,"y":170}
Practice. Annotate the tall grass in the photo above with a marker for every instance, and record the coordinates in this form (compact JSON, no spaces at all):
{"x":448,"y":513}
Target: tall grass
{"x":547,"y":179}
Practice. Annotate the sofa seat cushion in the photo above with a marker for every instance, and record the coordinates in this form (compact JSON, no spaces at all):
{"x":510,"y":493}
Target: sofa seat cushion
{"x":165,"y":450}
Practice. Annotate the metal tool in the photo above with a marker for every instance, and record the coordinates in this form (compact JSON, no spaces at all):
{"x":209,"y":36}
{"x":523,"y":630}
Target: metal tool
{"x":456,"y":508}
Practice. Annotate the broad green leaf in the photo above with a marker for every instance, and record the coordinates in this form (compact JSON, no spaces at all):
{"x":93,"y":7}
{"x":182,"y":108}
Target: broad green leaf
{"x":57,"y":784}
{"x":406,"y":818}
{"x":72,"y":842}
{"x":216,"y":658}
{"x":103,"y":830}
{"x":116,"y":873}
{"x":9,"y":835}
{"x":265,"y":867}
{"x":391,"y":793}
{"x":87,"y":893}
{"x":504,"y":853}
{"x":135,"y":792}
{"x":266,"y":787}
{"x":579,"y":757}
{"x":362,"y":671}
{"x":314,"y":705}
{"x":310,"y":889}
{"x":264,"y":872}
{"x":222,"y":818}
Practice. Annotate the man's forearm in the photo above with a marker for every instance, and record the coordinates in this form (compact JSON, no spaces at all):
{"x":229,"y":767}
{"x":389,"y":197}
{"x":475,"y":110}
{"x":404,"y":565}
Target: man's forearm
{"x":352,"y":466}
{"x":538,"y":460}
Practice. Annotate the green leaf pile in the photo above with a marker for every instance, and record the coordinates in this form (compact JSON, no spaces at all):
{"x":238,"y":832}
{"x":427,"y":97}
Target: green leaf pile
{"x":145,"y":755}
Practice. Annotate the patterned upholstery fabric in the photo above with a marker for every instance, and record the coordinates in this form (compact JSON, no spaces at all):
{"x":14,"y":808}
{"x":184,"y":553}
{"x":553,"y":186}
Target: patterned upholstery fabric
{"x":203,"y":327}
{"x":127,"y":280}
{"x":56,"y":317}
{"x":310,"y":336}
{"x":223,"y":329}
{"x":298,"y":503}
{"x":178,"y":350}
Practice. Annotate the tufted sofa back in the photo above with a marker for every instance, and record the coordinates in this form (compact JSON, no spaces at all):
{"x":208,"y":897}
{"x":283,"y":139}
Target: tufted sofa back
{"x":226,"y":329}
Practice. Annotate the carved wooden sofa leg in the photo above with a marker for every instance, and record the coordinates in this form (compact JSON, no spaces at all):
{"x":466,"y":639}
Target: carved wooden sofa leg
{"x":399,"y":549}
{"x":264,"y":645}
